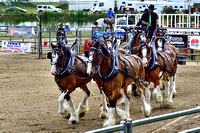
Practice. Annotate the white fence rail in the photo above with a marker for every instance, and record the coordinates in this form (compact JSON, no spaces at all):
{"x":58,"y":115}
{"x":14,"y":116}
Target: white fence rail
{"x":187,"y":21}
{"x":126,"y":126}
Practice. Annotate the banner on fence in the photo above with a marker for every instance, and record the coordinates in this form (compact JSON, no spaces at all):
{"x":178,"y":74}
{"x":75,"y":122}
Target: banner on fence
{"x":21,"y":31}
{"x":194,"y":42}
{"x":179,"y":41}
{"x":16,"y":47}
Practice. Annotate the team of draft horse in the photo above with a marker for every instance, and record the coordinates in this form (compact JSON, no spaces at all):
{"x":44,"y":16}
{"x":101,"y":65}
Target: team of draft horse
{"x":115,"y":66}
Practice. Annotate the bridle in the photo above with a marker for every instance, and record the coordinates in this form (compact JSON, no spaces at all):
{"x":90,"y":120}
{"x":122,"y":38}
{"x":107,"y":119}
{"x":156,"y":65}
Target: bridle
{"x":108,"y":40}
{"x":97,"y":63}
{"x":62,"y":56}
{"x":143,"y":46}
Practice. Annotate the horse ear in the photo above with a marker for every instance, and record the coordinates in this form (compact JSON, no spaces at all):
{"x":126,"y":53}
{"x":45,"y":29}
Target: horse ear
{"x":164,"y":33}
{"x":104,"y":38}
{"x":148,"y":41}
{"x":49,"y":55}
{"x":156,"y":33}
{"x":52,"y":46}
{"x":112,"y":37}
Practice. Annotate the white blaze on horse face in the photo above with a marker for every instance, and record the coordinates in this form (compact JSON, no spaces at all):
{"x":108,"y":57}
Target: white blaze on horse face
{"x":159,"y":45}
{"x":89,"y":67}
{"x":109,"y":44}
{"x":144,"y":58}
{"x":53,"y":66}
{"x":143,"y":38}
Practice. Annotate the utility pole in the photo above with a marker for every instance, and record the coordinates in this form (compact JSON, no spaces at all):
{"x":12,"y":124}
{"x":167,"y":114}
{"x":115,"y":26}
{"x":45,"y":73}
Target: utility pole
{"x":115,"y":7}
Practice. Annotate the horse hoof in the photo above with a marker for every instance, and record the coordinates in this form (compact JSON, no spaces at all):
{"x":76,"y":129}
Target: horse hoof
{"x":74,"y":122}
{"x":168,"y":104}
{"x":103,"y":116}
{"x":65,"y":115}
{"x":82,"y":114}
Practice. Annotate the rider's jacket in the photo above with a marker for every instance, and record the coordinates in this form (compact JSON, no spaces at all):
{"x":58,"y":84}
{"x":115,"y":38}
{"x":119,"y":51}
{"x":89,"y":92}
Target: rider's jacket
{"x":154,"y":17}
{"x":110,"y":14}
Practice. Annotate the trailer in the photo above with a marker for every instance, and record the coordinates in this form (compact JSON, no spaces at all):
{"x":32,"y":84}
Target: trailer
{"x":83,"y":5}
{"x":138,"y":6}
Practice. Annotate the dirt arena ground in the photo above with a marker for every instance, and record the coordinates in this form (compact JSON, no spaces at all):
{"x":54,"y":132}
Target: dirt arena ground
{"x":28,"y":100}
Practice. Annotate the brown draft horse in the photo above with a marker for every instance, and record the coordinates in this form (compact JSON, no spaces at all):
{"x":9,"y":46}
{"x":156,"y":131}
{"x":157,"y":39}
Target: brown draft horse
{"x":139,"y":37}
{"x":171,"y":51}
{"x":70,"y":72}
{"x":115,"y":73}
{"x":153,"y":73}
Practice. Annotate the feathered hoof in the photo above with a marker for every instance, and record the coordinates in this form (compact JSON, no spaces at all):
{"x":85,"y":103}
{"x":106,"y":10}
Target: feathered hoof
{"x":82,"y":110}
{"x":159,"y":99}
{"x":108,"y":124}
{"x":168,"y":104}
{"x":65,"y":114}
{"x":103,"y":115}
{"x":122,"y":102}
{"x":72,"y":121}
{"x":82,"y":114}
{"x":147,"y":112}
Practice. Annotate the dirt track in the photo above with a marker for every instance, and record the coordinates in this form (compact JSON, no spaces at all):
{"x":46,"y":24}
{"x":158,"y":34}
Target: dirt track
{"x":28,"y":100}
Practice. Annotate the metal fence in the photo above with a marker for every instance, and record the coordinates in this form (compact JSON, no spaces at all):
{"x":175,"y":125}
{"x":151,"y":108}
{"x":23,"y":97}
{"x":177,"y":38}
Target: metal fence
{"x":126,"y":126}
{"x":48,"y":35}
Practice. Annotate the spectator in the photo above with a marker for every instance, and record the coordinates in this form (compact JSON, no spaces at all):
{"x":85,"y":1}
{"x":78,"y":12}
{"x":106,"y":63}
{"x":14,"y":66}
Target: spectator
{"x":128,"y":13}
{"x":96,"y":24}
{"x":60,"y":36}
{"x":123,"y":22}
{"x":67,"y":31}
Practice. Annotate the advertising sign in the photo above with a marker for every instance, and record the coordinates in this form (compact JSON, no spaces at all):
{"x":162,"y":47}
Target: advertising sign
{"x":16,"y":47}
{"x":179,"y":41}
{"x":194,"y":42}
{"x":20,"y":31}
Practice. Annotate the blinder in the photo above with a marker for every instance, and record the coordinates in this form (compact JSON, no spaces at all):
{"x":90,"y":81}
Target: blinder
{"x":55,"y":51}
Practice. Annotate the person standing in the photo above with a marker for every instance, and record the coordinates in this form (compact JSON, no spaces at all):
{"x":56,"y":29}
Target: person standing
{"x":128,"y":13}
{"x":150,"y":18}
{"x":67,"y":31}
{"x":60,"y":35}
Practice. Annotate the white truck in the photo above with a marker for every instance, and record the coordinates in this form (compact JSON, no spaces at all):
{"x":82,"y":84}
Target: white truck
{"x":83,"y":5}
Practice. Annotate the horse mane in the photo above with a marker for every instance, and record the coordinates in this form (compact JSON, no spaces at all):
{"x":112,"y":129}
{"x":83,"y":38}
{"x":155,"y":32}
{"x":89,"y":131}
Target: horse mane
{"x":66,"y":51}
{"x":133,"y":40}
{"x":103,"y":47}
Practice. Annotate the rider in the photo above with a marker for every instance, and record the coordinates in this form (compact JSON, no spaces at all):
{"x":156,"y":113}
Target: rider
{"x":127,"y":13}
{"x":111,"y":15}
{"x":150,"y":18}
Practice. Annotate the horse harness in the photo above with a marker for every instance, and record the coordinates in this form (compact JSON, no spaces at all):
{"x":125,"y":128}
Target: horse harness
{"x":69,"y":66}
